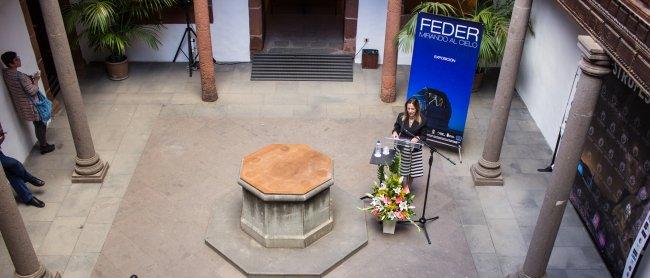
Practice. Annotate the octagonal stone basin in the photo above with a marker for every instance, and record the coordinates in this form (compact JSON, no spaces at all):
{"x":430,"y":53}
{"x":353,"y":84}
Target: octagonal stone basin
{"x":286,"y":195}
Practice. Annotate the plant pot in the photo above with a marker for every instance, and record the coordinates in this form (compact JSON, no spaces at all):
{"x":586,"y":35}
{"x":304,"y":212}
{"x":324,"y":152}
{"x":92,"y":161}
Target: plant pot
{"x":389,"y":226}
{"x":117,"y":71}
{"x":478,"y":81}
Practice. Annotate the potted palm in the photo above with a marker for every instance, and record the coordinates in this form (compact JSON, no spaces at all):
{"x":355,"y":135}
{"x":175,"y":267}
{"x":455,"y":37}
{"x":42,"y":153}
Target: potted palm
{"x":406,"y":35}
{"x":112,"y":25}
{"x":494,"y":17}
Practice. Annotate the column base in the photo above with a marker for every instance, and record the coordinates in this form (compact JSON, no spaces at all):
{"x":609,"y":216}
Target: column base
{"x":521,"y":274}
{"x":42,"y":272}
{"x":486,"y":176}
{"x":94,"y":178}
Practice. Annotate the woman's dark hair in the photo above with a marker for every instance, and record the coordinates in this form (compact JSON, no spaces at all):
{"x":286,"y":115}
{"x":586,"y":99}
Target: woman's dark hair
{"x":416,"y":104}
{"x":8,"y":57}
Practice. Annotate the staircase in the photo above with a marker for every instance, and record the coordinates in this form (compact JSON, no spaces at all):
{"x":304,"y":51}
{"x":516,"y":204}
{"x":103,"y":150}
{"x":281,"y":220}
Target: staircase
{"x":303,"y":67}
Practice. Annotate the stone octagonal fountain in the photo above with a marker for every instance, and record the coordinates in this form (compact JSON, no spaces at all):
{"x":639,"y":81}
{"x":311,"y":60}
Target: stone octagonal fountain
{"x":288,"y":219}
{"x":286,"y":195}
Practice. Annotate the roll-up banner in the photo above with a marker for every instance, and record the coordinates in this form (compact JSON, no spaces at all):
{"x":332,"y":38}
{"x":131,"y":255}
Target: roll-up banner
{"x":611,"y":191}
{"x":445,"y":55}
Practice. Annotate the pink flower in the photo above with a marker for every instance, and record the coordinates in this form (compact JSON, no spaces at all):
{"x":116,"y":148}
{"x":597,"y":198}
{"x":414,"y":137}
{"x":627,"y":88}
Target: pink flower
{"x":399,"y":215}
{"x":375,"y":212}
{"x":399,"y":200}
{"x":406,"y":190}
{"x":385,"y":200}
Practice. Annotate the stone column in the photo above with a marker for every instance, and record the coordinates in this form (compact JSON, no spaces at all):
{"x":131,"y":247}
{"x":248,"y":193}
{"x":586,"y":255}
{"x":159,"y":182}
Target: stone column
{"x":389,"y":66}
{"x":88,"y":166}
{"x":350,"y":26}
{"x":256,"y":25}
{"x":594,"y":66}
{"x":15,"y":235}
{"x":204,"y":43}
{"x":488,"y":169}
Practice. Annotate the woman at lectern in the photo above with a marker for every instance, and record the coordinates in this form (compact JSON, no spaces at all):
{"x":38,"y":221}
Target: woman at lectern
{"x":410,"y":125}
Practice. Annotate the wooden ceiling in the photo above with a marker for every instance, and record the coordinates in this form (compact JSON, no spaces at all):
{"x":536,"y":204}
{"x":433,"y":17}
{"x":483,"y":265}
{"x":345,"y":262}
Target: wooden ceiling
{"x":621,"y":26}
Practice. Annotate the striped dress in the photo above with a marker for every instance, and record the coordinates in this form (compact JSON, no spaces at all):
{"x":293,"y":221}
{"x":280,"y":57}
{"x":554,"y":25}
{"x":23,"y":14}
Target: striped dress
{"x":411,"y":159}
{"x":24,"y":107}
{"x":411,"y":164}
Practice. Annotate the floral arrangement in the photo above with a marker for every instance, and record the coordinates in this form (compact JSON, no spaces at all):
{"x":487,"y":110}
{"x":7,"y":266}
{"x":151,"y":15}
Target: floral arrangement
{"x":390,"y":201}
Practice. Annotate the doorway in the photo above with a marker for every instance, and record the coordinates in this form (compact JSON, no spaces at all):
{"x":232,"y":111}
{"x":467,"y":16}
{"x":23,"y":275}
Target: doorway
{"x":303,"y":27}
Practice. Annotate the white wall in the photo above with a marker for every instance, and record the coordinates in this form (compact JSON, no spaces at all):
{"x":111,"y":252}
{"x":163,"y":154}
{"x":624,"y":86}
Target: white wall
{"x":230,"y":37}
{"x":549,"y":63}
{"x":371,"y":24}
{"x":20,"y":135}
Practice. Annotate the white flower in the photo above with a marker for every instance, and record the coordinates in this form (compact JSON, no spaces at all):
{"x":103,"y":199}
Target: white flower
{"x":403,"y":206}
{"x":397,"y":190}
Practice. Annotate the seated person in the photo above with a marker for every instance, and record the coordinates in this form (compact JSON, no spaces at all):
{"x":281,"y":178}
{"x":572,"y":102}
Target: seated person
{"x":17,"y":176}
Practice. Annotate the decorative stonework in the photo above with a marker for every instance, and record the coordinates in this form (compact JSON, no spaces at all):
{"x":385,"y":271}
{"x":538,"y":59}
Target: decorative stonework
{"x":287,"y":206}
{"x":622,"y":29}
{"x":286,"y":195}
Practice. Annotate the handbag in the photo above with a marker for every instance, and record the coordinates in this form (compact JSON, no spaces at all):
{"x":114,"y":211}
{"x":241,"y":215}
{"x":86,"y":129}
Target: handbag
{"x":42,"y":105}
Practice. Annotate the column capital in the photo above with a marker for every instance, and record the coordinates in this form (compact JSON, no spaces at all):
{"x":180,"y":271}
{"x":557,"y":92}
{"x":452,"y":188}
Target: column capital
{"x":595,"y":61}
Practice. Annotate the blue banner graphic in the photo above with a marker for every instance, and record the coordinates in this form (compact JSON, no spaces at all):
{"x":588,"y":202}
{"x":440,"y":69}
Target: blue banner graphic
{"x":445,"y":55}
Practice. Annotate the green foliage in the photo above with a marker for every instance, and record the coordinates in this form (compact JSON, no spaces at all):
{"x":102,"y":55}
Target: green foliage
{"x":113,"y":24}
{"x":495,"y":18}
{"x":381,"y":172}
{"x":405,"y":37}
{"x":394,"y":165}
{"x":391,"y":201}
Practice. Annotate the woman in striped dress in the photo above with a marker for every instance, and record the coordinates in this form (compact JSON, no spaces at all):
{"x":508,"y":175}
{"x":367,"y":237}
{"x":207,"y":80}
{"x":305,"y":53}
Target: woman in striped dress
{"x":21,"y":87}
{"x":410,"y":125}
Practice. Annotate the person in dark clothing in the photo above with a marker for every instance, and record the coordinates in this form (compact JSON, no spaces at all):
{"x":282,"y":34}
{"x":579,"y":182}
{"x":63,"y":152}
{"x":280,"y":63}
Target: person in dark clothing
{"x":18,"y":175}
{"x":410,"y":125}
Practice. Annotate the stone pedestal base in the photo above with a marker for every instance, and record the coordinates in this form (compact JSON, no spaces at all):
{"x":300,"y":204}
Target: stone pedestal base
{"x":42,"y":272}
{"x":520,"y":274}
{"x":286,"y":224}
{"x":348,"y":235}
{"x":486,"y":173}
{"x":94,"y":178}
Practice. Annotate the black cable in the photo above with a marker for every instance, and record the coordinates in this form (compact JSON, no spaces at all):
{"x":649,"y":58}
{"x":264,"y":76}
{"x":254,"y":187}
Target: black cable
{"x":364,"y":45}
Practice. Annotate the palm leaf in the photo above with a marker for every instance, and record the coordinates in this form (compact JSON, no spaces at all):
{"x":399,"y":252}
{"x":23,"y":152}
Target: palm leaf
{"x":406,"y":35}
{"x":113,"y":24}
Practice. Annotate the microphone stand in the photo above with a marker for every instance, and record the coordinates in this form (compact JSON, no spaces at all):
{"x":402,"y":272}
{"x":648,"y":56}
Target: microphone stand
{"x":422,"y":221}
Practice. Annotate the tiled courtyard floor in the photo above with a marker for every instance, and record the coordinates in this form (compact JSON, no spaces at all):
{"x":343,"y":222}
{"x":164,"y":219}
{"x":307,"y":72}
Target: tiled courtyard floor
{"x":171,"y":155}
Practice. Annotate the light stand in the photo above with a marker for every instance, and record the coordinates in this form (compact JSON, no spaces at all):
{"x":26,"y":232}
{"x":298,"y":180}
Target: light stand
{"x":191,"y":58}
{"x":422,"y":221}
{"x":192,"y":61}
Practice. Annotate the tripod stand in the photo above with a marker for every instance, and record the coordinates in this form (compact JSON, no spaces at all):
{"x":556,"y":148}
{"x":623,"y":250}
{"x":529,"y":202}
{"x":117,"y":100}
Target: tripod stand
{"x":422,"y":221}
{"x":192,"y":61}
{"x":191,"y":58}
